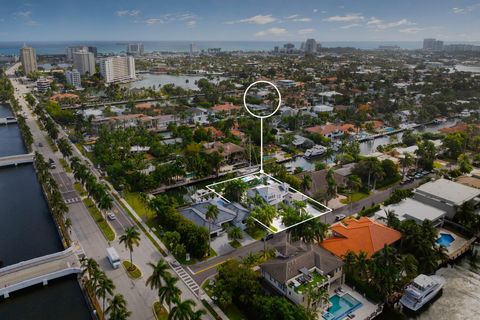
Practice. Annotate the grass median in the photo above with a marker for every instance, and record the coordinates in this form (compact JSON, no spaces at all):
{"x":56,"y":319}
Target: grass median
{"x":132,"y":270}
{"x":101,"y":222}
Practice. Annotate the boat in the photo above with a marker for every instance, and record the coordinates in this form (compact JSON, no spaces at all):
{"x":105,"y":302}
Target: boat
{"x":421,"y":290}
{"x":316,"y":151}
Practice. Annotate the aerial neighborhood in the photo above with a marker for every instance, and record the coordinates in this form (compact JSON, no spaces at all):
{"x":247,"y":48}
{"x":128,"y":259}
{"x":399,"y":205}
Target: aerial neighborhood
{"x":359,"y":198}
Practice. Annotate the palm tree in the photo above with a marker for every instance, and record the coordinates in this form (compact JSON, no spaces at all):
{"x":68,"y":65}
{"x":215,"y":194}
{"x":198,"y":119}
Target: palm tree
{"x":130,"y":238}
{"x":197,"y":315}
{"x":105,"y":202}
{"x":117,"y":309}
{"x":159,"y":275}
{"x":183,"y":310}
{"x":89,"y":266}
{"x":405,"y":162}
{"x":211,"y":215}
{"x":350,"y":261}
{"x":306,"y":182}
{"x":331,"y":186}
{"x":362,"y":264}
{"x":169,"y":292}
{"x":104,"y":286}
{"x":235,"y":233}
{"x":353,"y":183}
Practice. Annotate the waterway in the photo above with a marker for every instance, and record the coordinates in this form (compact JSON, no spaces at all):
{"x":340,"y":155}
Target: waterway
{"x":60,"y":299}
{"x":459,"y":299}
{"x":148,"y":80}
{"x":11,"y":141}
{"x":27,"y":230}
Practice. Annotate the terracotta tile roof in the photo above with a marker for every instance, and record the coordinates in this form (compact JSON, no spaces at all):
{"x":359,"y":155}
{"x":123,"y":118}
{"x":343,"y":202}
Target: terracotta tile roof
{"x":215,"y":132}
{"x":143,"y":105}
{"x":226,"y":107}
{"x":329,"y":128}
{"x":459,"y":127}
{"x":61,"y":96}
{"x":359,"y":235}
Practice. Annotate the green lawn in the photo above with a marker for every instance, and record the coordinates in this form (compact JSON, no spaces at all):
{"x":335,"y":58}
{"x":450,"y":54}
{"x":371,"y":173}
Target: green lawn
{"x":160,"y":312}
{"x":52,"y":144}
{"x":437,"y":165}
{"x":65,"y":165}
{"x":356,"y":196}
{"x":132,"y":270}
{"x":139,"y":205}
{"x":97,"y":216}
{"x":235,"y":243}
{"x":79,"y":189}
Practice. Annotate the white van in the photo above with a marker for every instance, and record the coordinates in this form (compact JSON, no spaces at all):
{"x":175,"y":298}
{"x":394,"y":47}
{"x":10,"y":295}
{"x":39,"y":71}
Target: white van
{"x":113,"y":257}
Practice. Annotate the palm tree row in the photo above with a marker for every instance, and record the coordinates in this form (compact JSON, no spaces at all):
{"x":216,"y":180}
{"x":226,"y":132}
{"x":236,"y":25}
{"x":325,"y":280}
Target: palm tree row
{"x":54,"y":197}
{"x":97,"y":191}
{"x":99,"y":285}
{"x":165,"y":284}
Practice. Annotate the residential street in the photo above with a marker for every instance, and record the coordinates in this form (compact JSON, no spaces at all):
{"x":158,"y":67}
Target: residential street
{"x":139,"y":297}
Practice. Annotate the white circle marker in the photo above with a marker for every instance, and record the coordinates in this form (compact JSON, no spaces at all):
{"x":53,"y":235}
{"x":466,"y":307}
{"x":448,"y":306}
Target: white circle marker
{"x":262,"y":117}
{"x":250,"y":111}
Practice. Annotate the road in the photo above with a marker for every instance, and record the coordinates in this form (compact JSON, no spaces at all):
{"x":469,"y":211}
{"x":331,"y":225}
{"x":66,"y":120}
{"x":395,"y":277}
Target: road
{"x":139,"y":297}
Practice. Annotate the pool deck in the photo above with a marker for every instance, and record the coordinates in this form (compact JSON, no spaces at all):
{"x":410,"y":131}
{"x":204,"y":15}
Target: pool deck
{"x":368,"y":310}
{"x":459,"y":246}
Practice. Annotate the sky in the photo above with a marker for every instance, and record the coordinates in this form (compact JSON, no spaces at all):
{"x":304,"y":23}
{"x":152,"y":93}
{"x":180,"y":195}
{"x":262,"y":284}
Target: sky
{"x":250,"y":20}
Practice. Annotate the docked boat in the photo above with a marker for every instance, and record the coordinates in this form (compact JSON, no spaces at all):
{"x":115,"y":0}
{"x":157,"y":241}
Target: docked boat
{"x":421,"y":290}
{"x":316,"y":151}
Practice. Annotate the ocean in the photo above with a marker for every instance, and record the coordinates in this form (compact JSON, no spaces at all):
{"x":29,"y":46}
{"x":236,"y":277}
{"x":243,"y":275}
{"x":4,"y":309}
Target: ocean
{"x":107,"y":47}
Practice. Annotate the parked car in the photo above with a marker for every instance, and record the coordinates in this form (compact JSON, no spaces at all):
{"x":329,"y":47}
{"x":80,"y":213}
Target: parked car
{"x":339,"y":217}
{"x":111,"y":216}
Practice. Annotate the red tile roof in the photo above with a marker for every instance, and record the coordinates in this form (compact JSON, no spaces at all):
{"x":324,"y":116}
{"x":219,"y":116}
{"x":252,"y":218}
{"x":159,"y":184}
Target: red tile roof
{"x":359,"y":235}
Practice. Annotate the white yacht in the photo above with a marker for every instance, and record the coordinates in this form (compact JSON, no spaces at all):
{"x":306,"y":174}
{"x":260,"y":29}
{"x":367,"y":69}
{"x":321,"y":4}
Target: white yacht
{"x":421,"y":290}
{"x":316,"y":151}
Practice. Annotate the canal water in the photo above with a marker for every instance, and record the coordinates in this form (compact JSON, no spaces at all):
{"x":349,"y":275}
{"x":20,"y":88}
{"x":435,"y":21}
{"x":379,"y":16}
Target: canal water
{"x":27,"y":230}
{"x":148,"y":80}
{"x":60,"y":299}
{"x":11,"y":141}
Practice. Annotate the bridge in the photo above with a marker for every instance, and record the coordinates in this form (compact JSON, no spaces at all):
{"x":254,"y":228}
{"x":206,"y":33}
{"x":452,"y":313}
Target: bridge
{"x":16,"y":159}
{"x":38,"y":270}
{"x":8,"y":120}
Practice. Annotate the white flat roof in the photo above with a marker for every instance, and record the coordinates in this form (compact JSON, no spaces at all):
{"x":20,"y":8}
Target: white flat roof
{"x":412,"y":209}
{"x":453,"y":192}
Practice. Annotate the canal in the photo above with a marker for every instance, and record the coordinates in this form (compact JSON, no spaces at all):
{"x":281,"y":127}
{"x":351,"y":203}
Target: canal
{"x":27,"y":230}
{"x":11,"y":142}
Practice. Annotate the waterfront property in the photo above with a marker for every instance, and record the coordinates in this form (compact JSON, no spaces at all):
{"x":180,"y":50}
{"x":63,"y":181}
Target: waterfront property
{"x":297,"y":267}
{"x":359,"y":235}
{"x":411,"y":209}
{"x":446,"y":195}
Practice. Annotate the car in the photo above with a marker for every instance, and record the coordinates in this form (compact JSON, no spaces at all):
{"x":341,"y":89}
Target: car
{"x":111,"y":216}
{"x":40,"y":144}
{"x":339,"y":217}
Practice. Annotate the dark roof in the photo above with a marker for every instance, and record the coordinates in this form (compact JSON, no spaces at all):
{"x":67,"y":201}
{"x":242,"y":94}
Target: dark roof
{"x":298,"y":256}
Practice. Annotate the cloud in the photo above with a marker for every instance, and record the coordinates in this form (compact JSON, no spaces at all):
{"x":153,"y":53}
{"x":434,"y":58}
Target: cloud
{"x":387,"y":25}
{"x":131,"y":13}
{"x":315,"y":10}
{"x":410,"y":30}
{"x":271,"y":32}
{"x":351,"y":17}
{"x":467,"y":9}
{"x":297,"y":18}
{"x":258,"y":19}
{"x":192,"y":23}
{"x":26,"y":16}
{"x":374,"y":20}
{"x":305,"y":31}
{"x":349,"y":26}
{"x":154,"y":21}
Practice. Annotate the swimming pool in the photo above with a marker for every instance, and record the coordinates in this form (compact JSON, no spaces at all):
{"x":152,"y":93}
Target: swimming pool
{"x":445,"y":239}
{"x":341,"y":307}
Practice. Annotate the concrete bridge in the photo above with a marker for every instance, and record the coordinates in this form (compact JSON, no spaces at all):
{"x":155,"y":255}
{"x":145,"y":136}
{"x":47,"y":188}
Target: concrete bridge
{"x":16,"y":159}
{"x":38,"y":270}
{"x":8,"y":120}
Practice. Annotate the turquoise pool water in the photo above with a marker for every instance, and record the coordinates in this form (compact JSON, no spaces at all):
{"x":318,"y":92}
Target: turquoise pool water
{"x":445,"y":240}
{"x":341,"y":307}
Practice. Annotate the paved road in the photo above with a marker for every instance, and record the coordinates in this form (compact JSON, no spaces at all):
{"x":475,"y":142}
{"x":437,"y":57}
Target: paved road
{"x":139,"y":297}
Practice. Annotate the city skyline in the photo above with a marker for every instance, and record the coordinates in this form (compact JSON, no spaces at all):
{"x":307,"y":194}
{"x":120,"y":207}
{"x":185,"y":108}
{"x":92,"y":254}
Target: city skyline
{"x":250,"y":21}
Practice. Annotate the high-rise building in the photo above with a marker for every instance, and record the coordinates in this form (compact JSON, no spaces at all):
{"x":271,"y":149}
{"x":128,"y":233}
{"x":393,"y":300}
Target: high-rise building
{"x":438,"y":45}
{"x":428,"y":44}
{"x":69,"y":51}
{"x":310,"y":46}
{"x":29,"y":59}
{"x":119,"y":68}
{"x":73,"y":78}
{"x":193,"y":49}
{"x":84,"y":62}
{"x":135,"y":49}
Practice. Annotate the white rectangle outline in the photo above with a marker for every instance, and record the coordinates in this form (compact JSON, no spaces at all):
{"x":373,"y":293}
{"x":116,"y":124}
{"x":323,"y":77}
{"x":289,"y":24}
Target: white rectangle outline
{"x":328,"y":210}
